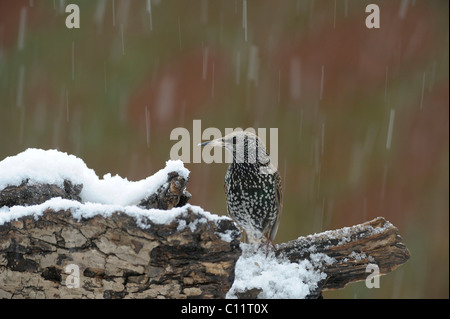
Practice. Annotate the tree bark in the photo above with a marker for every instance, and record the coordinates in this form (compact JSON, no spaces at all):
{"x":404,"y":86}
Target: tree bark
{"x":374,"y":242}
{"x":351,"y":249}
{"x":115,"y":258}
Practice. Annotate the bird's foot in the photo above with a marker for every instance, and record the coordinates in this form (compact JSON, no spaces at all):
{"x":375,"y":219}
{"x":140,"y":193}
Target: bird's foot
{"x":267,"y":243}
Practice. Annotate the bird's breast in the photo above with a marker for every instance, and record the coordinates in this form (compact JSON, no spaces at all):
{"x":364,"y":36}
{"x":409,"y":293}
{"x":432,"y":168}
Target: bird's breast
{"x":248,"y":190}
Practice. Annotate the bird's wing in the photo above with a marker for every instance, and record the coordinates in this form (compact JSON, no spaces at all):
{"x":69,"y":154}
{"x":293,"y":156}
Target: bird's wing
{"x":279,"y":201}
{"x":226,"y":194}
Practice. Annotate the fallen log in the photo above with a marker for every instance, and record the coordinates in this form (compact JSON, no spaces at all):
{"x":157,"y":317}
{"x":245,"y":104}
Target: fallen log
{"x":328,"y":260}
{"x":58,"y":256}
{"x":143,"y":240}
{"x":191,"y":256}
{"x":375,"y":242}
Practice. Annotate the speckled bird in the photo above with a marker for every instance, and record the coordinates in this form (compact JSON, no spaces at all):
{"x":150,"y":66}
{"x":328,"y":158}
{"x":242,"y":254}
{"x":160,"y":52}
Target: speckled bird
{"x":252,"y":186}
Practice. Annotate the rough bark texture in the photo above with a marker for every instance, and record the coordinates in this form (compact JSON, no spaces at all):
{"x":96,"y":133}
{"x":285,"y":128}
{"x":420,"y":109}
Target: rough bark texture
{"x":115,"y":257}
{"x":26,"y":194}
{"x":374,"y":242}
{"x":175,"y":195}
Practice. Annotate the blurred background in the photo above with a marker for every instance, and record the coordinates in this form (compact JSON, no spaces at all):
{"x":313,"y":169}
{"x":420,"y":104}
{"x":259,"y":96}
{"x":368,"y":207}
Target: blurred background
{"x":362,"y":114}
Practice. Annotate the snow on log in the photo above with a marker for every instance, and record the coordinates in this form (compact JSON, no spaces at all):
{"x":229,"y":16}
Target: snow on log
{"x":305,"y":267}
{"x":66,"y":233}
{"x":36,"y":175}
{"x":376,"y":242}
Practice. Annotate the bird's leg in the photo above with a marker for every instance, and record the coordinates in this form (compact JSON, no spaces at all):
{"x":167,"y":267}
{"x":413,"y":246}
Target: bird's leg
{"x":269,"y":242}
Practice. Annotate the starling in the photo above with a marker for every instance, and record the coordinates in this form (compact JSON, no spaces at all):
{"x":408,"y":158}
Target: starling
{"x":252,"y":186}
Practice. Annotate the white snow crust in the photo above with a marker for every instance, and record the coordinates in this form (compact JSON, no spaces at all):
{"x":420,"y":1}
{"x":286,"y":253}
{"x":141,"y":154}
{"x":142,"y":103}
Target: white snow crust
{"x":100,"y":196}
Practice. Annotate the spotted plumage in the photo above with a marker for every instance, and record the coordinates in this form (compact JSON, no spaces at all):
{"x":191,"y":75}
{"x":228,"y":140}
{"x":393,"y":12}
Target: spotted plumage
{"x":252,"y":186}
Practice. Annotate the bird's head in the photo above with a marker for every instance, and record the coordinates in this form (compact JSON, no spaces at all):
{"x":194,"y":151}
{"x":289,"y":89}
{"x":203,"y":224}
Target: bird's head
{"x":245,"y":147}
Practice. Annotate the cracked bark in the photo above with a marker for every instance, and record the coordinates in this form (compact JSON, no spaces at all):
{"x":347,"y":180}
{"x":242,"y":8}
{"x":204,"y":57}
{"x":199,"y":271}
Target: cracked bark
{"x":115,"y":258}
{"x":375,"y":242}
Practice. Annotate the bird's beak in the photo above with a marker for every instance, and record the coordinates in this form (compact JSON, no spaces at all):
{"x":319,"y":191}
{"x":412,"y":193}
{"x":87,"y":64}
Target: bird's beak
{"x":212,"y":143}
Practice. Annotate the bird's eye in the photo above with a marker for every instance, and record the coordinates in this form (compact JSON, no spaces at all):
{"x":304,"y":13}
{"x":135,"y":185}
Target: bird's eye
{"x":234,"y":140}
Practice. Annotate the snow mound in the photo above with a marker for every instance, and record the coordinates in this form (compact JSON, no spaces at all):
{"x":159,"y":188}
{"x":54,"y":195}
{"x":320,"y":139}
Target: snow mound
{"x":53,"y":167}
{"x":276,"y":276}
{"x":99,"y":196}
{"x":89,"y":210}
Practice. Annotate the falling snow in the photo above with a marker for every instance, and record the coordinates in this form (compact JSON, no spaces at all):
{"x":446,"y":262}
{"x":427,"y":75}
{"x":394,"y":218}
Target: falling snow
{"x":362,"y":114}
